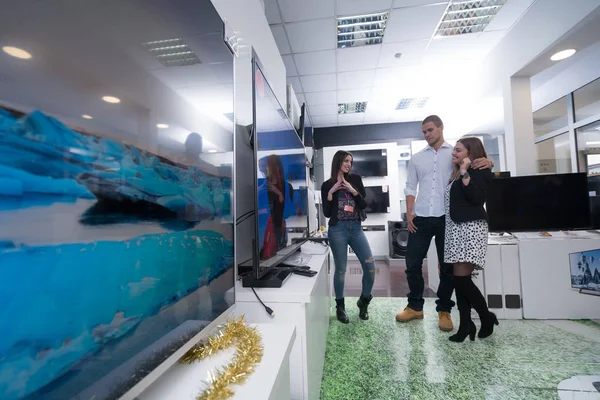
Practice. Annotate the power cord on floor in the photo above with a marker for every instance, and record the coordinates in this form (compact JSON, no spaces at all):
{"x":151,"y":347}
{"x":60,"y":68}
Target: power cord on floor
{"x":269,"y":310}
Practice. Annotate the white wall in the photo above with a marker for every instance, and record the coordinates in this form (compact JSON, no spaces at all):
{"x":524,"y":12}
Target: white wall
{"x":378,"y":239}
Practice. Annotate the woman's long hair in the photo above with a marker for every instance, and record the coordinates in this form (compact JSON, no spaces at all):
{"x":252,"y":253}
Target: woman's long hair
{"x":336,"y":164}
{"x":475,"y":150}
{"x":274,"y":172}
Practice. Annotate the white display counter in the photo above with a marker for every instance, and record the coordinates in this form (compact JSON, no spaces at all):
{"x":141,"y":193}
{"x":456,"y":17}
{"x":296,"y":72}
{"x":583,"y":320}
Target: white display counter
{"x":529,"y":276}
{"x":270,"y":380}
{"x":303,"y":302}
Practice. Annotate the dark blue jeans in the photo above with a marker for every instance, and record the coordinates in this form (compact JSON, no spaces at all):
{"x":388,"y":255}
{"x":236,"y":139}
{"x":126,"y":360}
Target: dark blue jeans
{"x":342,"y":235}
{"x":416,"y":251}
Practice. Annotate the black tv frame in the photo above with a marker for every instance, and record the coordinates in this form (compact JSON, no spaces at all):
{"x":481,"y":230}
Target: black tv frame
{"x":388,"y":198}
{"x":359,"y":152}
{"x":261,"y":275}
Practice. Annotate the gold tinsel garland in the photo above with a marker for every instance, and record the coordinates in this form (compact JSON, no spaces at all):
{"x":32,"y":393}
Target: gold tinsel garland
{"x":249,"y":352}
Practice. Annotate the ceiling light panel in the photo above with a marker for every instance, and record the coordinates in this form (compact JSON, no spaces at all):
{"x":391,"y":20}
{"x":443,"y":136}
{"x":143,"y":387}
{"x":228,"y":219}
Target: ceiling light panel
{"x":472,"y":16}
{"x":361,"y":30}
{"x":413,"y":102}
{"x":172,"y":52}
{"x":352,"y":108}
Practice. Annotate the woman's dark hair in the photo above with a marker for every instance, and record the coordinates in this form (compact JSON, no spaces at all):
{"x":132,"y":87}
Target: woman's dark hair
{"x":336,"y":163}
{"x":474,"y":148}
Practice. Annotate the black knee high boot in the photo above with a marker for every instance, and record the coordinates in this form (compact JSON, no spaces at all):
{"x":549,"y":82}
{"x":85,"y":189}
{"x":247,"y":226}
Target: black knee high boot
{"x":340,"y":311}
{"x":466,"y":327}
{"x":474,"y":296}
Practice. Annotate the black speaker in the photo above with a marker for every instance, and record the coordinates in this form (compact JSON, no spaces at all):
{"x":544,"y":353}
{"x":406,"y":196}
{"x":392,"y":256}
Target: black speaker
{"x":397,"y":238}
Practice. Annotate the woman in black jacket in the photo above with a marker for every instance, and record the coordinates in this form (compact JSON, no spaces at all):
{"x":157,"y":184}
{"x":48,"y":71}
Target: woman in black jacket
{"x":466,"y":236}
{"x":343,"y":197}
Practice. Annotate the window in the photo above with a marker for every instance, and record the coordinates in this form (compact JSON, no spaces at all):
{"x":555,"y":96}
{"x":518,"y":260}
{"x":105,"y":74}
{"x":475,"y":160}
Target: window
{"x":587,"y":100}
{"x":588,"y":143}
{"x":550,"y":118}
{"x":554,"y":155}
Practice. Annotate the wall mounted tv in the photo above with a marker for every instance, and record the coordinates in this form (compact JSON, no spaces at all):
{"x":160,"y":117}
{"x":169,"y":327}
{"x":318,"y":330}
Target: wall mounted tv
{"x":378,"y":199}
{"x":585,"y":271}
{"x":539,"y":203}
{"x":281,"y":161}
{"x":368,"y":163}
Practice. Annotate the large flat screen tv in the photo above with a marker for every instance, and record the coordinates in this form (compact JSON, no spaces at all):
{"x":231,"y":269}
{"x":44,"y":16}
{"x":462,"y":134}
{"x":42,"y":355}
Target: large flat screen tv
{"x":116,"y":237}
{"x":585,"y":271}
{"x":281,"y":172}
{"x":368,"y":163}
{"x":378,"y":199}
{"x":539,"y":203}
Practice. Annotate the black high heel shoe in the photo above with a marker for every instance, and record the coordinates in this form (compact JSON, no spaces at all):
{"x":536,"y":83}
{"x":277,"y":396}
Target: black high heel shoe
{"x":460,"y":336}
{"x":487,"y":325}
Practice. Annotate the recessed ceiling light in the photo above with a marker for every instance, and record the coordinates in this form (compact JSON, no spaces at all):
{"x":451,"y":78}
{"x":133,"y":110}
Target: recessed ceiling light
{"x":172,"y":52}
{"x":212,"y":151}
{"x":85,"y":116}
{"x":111,"y":99}
{"x":414,"y":102}
{"x":16,"y":52}
{"x":162,"y":126}
{"x":468,"y":16}
{"x":561,"y":55}
{"x":352,"y":108}
{"x":361,"y":30}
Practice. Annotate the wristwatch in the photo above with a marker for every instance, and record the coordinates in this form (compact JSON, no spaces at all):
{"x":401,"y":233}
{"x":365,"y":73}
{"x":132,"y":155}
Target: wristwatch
{"x":465,"y":175}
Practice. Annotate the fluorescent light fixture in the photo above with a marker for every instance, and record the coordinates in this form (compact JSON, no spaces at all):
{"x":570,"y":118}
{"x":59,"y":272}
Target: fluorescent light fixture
{"x":361,"y":30}
{"x":592,"y":143}
{"x":352,"y":108}
{"x":561,"y":55}
{"x":85,"y":116}
{"x":17,"y":52}
{"x":162,"y":126}
{"x":172,"y":52}
{"x":212,"y":151}
{"x":111,"y":99}
{"x":469,"y":16}
{"x":412,"y":102}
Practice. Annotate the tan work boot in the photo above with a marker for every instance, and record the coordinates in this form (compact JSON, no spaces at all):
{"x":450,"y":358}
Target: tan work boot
{"x":408,"y":315}
{"x":445,"y":321}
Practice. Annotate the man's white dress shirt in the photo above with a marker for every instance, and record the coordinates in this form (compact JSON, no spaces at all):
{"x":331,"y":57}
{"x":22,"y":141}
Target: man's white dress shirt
{"x":429,"y":171}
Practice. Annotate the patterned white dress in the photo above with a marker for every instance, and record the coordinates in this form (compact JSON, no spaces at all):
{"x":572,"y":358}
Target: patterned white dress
{"x":466,"y":241}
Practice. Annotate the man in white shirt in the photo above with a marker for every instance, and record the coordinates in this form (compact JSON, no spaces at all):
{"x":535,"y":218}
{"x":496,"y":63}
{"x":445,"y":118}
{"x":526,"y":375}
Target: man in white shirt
{"x":430,"y":170}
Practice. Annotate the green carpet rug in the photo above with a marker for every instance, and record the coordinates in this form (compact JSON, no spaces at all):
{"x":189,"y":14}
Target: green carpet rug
{"x":387,"y":360}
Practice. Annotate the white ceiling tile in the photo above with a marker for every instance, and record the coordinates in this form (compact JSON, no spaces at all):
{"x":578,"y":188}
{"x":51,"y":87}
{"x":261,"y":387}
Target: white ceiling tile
{"x":375,"y":119}
{"x":356,"y":7}
{"x":324,"y":109}
{"x":320,"y":62}
{"x":295,"y":82}
{"x":351,"y":119}
{"x":410,"y":53}
{"x":325,"y":120}
{"x":272,"y":12}
{"x":411,"y":3}
{"x":295,"y":10}
{"x":355,"y":79}
{"x":509,"y":14}
{"x":399,"y":77}
{"x":281,"y":39}
{"x":319,"y":83}
{"x":354,"y":95}
{"x":413,"y":23}
{"x":312,"y":35}
{"x":357,"y":58}
{"x":290,"y":66}
{"x":319,"y":98}
{"x":301,"y":98}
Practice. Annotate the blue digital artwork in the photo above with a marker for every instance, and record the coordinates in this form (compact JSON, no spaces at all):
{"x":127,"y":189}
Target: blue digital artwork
{"x":108,"y":253}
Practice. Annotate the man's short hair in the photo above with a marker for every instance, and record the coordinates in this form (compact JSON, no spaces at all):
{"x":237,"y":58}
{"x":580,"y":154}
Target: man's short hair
{"x":437,"y":121}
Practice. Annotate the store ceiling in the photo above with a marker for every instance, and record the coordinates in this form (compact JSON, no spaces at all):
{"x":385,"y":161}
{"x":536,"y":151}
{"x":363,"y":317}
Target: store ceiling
{"x":323,"y":76}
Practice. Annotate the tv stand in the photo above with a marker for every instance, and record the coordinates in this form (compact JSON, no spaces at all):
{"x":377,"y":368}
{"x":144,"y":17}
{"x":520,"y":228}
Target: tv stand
{"x":272,"y":279}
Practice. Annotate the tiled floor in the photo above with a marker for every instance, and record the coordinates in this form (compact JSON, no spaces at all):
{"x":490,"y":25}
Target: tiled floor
{"x":382,"y":359}
{"x":389,"y":281}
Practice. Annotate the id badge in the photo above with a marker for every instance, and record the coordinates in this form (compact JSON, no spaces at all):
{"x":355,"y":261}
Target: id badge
{"x":349,"y":209}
